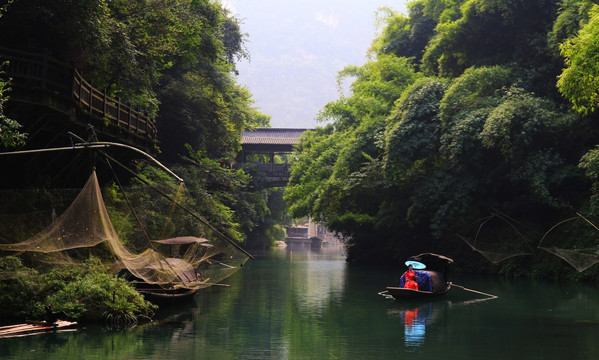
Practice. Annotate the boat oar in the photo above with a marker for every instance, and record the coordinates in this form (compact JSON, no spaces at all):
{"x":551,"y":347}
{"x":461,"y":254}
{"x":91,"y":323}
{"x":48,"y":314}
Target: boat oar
{"x":475,"y":291}
{"x":386,"y":294}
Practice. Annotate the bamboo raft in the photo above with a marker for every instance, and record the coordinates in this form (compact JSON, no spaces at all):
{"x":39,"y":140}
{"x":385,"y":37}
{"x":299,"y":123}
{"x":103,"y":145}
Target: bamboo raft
{"x":18,"y":330}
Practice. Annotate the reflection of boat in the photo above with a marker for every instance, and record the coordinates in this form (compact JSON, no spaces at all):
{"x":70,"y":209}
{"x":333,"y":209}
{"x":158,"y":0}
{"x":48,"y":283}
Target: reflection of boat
{"x":415,"y":322}
{"x":416,"y":319}
{"x":431,"y":282}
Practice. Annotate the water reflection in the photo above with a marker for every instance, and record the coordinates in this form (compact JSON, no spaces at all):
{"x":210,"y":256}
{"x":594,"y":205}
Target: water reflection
{"x":317,"y":277}
{"x":293,"y":305}
{"x":415,"y":319}
{"x":417,"y":315}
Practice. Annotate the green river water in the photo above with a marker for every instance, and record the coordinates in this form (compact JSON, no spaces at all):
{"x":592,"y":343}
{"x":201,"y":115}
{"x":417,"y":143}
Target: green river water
{"x":312,"y":305}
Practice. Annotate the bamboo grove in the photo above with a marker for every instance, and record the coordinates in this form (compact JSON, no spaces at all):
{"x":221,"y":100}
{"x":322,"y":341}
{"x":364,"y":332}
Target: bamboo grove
{"x":465,"y":108}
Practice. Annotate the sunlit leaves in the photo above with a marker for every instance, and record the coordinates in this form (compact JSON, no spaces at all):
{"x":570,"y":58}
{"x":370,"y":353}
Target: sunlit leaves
{"x":573,"y":14}
{"x":403,"y":36}
{"x":384,"y":78}
{"x":490,"y":32}
{"x":579,"y":81}
{"x":317,"y":155}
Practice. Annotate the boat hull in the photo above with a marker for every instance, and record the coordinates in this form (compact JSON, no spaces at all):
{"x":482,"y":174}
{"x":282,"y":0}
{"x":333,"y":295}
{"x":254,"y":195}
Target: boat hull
{"x":157,"y":294}
{"x":403,"y":293}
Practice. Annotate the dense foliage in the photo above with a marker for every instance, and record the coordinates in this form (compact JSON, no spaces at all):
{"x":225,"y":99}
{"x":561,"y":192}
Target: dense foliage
{"x":176,"y":61}
{"x":578,"y":82}
{"x":173,"y":59}
{"x":88,"y":292}
{"x":9,"y":129}
{"x":458,"y":115}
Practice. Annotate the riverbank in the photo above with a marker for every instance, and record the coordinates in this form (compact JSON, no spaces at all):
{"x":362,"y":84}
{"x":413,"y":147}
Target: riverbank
{"x":85,"y":293}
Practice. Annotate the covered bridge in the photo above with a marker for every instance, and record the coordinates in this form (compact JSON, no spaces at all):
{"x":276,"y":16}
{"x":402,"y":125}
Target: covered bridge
{"x":270,"y":149}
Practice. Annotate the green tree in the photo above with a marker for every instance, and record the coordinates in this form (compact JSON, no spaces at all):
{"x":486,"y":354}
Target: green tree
{"x":491,"y":33}
{"x":316,"y":156}
{"x":10,"y":135}
{"x":86,"y":292}
{"x":572,"y":15}
{"x":579,"y":80}
{"x":171,"y":59}
{"x":338,"y":176}
{"x":408,"y":36}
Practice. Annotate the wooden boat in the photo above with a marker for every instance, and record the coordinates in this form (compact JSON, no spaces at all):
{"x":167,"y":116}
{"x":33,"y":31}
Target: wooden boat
{"x":432,"y":281}
{"x":403,"y":293}
{"x":19,"y":330}
{"x":157,"y":294}
{"x":182,"y":285}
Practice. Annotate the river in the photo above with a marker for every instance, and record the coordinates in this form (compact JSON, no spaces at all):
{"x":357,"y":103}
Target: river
{"x":312,"y":305}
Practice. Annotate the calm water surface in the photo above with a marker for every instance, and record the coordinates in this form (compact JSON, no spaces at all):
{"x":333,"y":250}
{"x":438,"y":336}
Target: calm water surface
{"x":308,"y":305}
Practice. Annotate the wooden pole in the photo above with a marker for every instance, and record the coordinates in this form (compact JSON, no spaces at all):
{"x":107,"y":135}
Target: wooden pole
{"x":475,"y":291}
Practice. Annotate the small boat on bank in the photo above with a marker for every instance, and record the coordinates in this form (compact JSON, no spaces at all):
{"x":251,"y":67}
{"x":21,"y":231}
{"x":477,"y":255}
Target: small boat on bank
{"x":183,"y":283}
{"x":19,"y":330}
{"x":156,"y":294}
{"x":431,"y":282}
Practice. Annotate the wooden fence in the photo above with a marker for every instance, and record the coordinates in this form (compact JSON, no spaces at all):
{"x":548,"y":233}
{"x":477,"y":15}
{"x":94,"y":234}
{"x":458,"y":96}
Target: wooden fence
{"x":38,"y":78}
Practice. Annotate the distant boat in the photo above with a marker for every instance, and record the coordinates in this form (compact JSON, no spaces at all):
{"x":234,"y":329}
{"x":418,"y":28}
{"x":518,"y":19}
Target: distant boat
{"x":431,"y":282}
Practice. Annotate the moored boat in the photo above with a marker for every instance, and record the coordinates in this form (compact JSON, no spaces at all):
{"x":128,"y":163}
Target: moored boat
{"x":157,"y":294}
{"x":18,"y":330}
{"x":431,"y":282}
{"x":181,"y":285}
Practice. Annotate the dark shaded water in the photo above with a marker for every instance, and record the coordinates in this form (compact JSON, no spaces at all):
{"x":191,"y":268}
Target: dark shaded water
{"x":306,"y":305}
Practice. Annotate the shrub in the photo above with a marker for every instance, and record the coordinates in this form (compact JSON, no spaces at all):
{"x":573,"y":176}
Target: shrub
{"x":86,"y":292}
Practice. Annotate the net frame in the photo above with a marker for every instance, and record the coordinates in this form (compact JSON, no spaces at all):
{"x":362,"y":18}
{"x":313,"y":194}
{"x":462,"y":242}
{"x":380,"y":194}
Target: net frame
{"x":496,"y":256}
{"x":86,"y":224}
{"x":579,"y":259}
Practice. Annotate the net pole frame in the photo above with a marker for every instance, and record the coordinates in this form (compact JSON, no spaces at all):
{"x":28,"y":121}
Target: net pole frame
{"x":104,"y":145}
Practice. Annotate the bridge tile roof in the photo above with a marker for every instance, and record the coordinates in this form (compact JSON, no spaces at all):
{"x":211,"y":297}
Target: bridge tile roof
{"x":272,"y":136}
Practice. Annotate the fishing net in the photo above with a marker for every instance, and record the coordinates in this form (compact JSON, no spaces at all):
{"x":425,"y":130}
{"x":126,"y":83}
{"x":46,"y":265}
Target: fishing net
{"x":497,"y":237}
{"x":575,"y":240}
{"x":150,"y":236}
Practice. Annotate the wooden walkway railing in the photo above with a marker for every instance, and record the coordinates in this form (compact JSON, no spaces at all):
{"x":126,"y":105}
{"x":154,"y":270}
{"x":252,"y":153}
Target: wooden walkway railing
{"x":45,"y":81}
{"x":122,"y":115}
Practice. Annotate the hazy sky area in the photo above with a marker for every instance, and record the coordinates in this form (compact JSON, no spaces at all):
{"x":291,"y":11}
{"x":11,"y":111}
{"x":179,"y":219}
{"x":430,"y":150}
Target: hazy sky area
{"x":297,"y":47}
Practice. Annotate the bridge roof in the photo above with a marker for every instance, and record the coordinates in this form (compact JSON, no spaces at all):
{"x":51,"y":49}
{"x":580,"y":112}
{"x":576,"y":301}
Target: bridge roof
{"x":272,"y":136}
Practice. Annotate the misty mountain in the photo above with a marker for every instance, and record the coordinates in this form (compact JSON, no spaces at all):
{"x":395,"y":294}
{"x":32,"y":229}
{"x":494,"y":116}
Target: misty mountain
{"x":297,"y":48}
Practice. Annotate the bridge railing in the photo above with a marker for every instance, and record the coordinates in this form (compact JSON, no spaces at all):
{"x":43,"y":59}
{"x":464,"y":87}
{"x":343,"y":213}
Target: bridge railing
{"x":274,"y":169}
{"x":46,"y":81}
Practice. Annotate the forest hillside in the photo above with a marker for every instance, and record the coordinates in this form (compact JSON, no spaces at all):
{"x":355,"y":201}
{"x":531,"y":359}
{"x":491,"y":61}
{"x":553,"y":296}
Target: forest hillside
{"x":473,"y":123}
